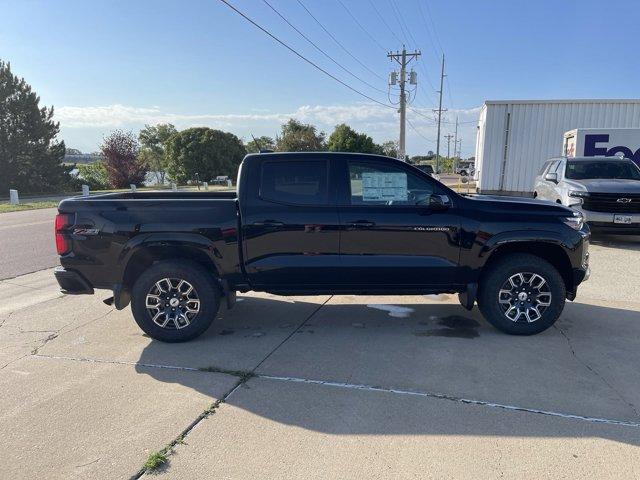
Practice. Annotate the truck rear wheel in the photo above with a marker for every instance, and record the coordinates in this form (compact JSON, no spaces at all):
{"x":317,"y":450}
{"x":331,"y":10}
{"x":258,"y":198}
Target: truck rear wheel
{"x":521,"y":294}
{"x":175,"y":301}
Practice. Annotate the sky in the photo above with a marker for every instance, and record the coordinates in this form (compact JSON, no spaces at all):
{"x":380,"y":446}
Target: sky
{"x":118,"y":64}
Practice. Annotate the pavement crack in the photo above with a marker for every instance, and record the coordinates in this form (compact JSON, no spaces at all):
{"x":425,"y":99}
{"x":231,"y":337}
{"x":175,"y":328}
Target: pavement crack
{"x":169,"y":449}
{"x":292,"y":333}
{"x":451,"y":398}
{"x":597,"y":374}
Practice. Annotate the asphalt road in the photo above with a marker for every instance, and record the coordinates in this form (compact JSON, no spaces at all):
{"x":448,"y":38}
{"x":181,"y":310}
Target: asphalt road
{"x":26,"y":242}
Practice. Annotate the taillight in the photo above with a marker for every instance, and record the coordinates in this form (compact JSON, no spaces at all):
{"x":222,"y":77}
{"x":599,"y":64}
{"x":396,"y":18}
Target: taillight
{"x":63,"y":244}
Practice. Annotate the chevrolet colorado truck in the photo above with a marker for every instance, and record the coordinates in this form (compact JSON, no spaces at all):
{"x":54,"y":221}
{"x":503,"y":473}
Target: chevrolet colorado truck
{"x":321,"y":223}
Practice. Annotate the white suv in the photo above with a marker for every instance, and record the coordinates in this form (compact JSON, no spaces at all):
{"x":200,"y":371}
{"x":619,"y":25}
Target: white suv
{"x":606,"y":190}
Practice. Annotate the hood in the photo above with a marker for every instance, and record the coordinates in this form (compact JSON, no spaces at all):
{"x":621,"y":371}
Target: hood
{"x":603,"y":185}
{"x":521,"y":203}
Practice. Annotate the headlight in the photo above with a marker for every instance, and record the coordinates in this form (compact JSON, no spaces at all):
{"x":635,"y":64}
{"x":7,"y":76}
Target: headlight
{"x":578,"y":193}
{"x":576,"y":221}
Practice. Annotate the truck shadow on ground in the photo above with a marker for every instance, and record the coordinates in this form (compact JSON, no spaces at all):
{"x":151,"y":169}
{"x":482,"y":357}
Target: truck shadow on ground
{"x":586,"y":365}
{"x":626,"y":242}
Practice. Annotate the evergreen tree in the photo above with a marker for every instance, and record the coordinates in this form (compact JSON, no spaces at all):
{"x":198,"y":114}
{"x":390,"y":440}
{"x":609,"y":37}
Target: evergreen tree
{"x":30,"y":156}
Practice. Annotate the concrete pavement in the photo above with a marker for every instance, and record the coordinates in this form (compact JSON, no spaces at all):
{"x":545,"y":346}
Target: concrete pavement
{"x":27,"y":243}
{"x":346,"y":387}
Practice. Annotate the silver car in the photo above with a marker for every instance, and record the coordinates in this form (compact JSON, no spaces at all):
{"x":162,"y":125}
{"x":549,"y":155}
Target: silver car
{"x":606,"y":190}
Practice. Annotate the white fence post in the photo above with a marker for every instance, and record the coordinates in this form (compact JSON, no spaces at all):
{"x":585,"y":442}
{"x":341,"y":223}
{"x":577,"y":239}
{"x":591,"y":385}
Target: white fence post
{"x":133,"y":188}
{"x":205,"y":185}
{"x":85,"y":190}
{"x":13,"y":197}
{"x":174,"y":187}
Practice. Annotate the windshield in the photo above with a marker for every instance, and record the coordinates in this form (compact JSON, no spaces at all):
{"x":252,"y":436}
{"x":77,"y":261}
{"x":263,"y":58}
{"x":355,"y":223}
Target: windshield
{"x":583,"y":170}
{"x":426,"y":168}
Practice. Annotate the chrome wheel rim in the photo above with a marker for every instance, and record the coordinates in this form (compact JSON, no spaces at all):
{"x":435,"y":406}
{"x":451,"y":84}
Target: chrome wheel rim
{"x":172,"y":303}
{"x":524,"y":297}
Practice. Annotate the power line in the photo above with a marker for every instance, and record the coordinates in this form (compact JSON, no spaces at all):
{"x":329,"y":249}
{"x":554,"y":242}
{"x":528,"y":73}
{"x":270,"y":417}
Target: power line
{"x":433,"y":25}
{"x":426,"y":24}
{"x":420,"y":134}
{"x":422,"y":114}
{"x":361,"y":26}
{"x":321,"y":50}
{"x":292,"y":50}
{"x":384,"y":21}
{"x":337,"y":42}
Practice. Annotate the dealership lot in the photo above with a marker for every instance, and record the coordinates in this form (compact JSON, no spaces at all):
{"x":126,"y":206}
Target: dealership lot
{"x":373,"y":386}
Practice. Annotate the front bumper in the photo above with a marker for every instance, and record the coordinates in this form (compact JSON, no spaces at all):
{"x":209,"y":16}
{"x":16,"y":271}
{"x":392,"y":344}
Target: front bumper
{"x":602,"y":222}
{"x":72,"y":282}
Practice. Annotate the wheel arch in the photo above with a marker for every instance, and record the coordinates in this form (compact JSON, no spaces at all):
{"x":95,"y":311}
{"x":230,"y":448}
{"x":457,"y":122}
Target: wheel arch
{"x":551,"y":251}
{"x":143,"y":255}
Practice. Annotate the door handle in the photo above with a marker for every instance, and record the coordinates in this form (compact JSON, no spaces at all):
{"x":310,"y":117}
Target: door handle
{"x":268,"y":223}
{"x":362,"y":224}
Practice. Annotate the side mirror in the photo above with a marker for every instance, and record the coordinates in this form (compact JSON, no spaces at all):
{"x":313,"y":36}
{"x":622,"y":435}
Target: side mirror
{"x":551,"y":177}
{"x":439,"y":202}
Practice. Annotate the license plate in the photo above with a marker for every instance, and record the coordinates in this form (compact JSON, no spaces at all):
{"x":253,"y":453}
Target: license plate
{"x":622,"y":219}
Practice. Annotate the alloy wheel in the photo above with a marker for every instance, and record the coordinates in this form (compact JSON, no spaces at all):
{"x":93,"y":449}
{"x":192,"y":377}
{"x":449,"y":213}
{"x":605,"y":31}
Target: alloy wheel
{"x":172,"y":303}
{"x":524,"y":297}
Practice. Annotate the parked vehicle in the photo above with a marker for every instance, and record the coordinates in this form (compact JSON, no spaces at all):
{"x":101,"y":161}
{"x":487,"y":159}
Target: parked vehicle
{"x":515,"y":137}
{"x":321,"y":223}
{"x":466,"y":169}
{"x":428,"y":169}
{"x":605,"y":190}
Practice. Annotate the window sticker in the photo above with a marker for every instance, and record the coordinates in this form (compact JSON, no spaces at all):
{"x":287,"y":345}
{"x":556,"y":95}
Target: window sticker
{"x":382,"y":186}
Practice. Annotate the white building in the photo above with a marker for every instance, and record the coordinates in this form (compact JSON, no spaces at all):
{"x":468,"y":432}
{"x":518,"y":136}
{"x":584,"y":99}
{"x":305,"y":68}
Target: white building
{"x":515,"y":137}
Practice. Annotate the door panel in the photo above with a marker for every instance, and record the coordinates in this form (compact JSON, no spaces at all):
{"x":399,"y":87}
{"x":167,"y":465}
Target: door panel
{"x":290,"y":230}
{"x":393,"y":238}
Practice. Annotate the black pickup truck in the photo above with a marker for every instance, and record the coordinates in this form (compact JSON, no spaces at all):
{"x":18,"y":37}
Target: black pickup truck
{"x":321,"y":223}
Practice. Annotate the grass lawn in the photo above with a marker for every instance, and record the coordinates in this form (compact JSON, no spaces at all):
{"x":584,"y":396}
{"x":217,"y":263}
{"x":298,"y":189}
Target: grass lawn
{"x":7,"y":207}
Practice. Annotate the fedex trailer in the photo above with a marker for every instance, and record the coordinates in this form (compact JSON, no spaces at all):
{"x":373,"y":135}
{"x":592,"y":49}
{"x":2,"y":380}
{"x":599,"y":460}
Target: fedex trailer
{"x":515,"y":137}
{"x":609,"y":142}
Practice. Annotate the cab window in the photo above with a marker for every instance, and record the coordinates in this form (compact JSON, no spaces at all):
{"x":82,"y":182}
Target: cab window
{"x":295,"y":182}
{"x":380,"y":184}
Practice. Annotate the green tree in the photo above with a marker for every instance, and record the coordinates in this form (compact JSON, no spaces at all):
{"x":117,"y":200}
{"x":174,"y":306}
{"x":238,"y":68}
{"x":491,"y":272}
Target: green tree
{"x":30,"y":156}
{"x":260,"y":143}
{"x":94,"y":174}
{"x":153,"y":140}
{"x":345,"y":139}
{"x":300,"y":137}
{"x":120,"y":151}
{"x":390,"y":148}
{"x":204,"y":151}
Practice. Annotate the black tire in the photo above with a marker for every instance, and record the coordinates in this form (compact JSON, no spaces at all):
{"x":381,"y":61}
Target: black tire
{"x":499,"y":273}
{"x":204,"y":287}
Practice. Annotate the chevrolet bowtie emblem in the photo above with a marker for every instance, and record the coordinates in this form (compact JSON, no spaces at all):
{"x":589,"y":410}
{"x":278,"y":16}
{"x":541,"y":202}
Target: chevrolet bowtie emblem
{"x":623,"y":200}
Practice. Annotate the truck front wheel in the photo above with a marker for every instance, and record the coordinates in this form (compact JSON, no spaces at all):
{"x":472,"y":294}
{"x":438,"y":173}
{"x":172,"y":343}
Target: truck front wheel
{"x":521,"y":294}
{"x":175,"y":301}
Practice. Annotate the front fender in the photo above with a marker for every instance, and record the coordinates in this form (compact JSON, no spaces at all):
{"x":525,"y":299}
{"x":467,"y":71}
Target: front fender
{"x":537,"y":236}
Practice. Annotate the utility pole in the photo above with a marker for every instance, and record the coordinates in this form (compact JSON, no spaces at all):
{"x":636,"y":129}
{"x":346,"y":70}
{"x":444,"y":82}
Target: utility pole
{"x":439,"y":112}
{"x":455,"y":146}
{"x":449,"y":137}
{"x":403,"y":58}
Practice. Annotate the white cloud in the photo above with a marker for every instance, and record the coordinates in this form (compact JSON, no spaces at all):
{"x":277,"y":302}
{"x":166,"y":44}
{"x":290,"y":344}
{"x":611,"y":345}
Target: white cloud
{"x":84,"y":126}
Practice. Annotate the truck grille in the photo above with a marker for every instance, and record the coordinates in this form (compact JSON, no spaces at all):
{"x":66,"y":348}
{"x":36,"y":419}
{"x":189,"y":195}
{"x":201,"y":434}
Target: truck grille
{"x":608,"y":202}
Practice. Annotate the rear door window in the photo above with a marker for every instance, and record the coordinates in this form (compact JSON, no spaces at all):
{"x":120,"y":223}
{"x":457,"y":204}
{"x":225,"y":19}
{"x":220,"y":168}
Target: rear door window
{"x":299,"y":182}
